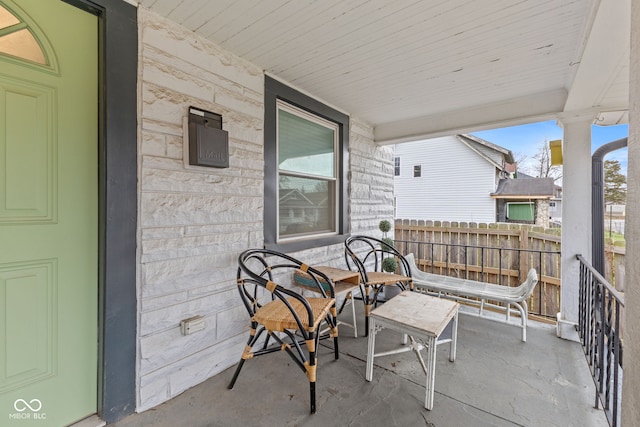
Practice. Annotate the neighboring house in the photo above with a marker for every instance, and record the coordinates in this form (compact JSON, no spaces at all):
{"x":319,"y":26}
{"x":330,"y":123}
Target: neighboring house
{"x":526,"y":200}
{"x":295,"y":209}
{"x":615,"y":210}
{"x":555,"y":205}
{"x":302,"y":211}
{"x":449,"y":178}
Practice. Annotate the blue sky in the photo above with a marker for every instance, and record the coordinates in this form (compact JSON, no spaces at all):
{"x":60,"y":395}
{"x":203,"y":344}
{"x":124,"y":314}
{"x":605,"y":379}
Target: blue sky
{"x":526,"y":139}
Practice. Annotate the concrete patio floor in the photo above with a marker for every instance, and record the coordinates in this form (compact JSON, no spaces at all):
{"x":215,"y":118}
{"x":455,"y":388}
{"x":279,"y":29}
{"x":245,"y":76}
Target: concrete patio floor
{"x":496,"y":380}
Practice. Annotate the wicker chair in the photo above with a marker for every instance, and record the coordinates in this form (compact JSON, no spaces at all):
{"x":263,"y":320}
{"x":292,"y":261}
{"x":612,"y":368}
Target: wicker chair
{"x":290,"y":320}
{"x":366,"y":255}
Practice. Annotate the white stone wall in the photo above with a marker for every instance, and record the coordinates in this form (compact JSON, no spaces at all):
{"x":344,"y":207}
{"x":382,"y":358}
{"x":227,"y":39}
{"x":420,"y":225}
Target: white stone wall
{"x":542,"y":213}
{"x":194,"y":222}
{"x":371,"y":186}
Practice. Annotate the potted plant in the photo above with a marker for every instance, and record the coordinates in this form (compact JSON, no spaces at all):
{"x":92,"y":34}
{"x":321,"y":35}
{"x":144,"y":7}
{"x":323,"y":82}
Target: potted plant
{"x":389,"y":264}
{"x":384,"y":226}
{"x":388,"y":244}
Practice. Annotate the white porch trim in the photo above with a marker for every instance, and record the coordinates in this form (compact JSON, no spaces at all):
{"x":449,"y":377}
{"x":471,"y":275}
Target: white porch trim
{"x":576,"y":214}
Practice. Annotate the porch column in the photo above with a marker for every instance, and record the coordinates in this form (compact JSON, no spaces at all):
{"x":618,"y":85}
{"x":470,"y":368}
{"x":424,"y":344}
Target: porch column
{"x":576,"y":214}
{"x":631,"y":382}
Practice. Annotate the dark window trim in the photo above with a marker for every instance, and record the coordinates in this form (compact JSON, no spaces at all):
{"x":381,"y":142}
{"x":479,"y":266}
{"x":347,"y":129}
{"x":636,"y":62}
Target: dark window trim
{"x":117,"y":182}
{"x":275,"y":90}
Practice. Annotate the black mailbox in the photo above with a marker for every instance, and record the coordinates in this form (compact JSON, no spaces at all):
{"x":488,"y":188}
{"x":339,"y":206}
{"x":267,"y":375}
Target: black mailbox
{"x":208,"y":143}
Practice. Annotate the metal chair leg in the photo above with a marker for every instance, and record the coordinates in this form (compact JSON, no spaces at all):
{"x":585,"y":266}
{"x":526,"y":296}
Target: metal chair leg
{"x":312,"y":398}
{"x":235,"y":375}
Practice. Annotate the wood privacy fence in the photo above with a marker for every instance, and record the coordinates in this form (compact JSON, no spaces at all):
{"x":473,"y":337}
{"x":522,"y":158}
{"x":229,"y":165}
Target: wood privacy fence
{"x":614,"y":270}
{"x":494,"y":253}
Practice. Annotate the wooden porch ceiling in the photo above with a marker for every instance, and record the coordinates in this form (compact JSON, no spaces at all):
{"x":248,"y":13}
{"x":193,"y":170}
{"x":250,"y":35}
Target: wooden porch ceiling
{"x":424,"y":68}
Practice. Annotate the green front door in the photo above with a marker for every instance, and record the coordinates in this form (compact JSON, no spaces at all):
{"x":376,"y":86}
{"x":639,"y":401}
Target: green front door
{"x":48,"y":213}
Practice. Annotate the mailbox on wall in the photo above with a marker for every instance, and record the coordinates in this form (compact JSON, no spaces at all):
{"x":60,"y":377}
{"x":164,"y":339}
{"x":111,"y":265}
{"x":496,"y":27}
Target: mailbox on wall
{"x":208,"y":143}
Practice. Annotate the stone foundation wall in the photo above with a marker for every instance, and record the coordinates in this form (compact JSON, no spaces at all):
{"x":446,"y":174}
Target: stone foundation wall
{"x":195,"y":221}
{"x":542,"y":213}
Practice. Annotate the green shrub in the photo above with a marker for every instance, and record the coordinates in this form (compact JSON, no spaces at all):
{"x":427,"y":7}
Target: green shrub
{"x":388,"y":243}
{"x":384,"y":226}
{"x":389,"y":265}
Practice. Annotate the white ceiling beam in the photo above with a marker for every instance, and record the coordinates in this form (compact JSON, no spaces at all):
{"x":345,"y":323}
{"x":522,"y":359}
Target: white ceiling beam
{"x":605,"y":52}
{"x":529,"y":109}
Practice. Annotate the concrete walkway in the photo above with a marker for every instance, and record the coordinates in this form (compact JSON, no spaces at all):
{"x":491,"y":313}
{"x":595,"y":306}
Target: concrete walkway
{"x":496,"y":380}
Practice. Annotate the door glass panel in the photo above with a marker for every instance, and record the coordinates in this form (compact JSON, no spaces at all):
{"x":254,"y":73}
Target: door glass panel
{"x":19,"y":41}
{"x":7,"y":19}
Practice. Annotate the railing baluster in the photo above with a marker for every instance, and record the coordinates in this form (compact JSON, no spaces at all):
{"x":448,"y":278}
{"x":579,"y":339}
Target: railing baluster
{"x":616,"y":355}
{"x":432,"y":259}
{"x":466,"y":269}
{"x":482,"y":262}
{"x":581,"y":304}
{"x":540,"y":285}
{"x":609,"y":354}
{"x":600,"y":308}
{"x":499,"y":266}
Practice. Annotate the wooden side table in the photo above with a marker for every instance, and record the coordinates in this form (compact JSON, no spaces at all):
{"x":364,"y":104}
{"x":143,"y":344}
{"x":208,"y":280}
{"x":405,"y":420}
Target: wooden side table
{"x":345,"y":283}
{"x":339,"y":275}
{"x":419,"y":316}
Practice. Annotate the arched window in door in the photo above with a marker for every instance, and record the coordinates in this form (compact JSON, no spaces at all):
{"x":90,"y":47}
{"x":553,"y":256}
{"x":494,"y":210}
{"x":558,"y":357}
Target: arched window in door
{"x":21,"y":39}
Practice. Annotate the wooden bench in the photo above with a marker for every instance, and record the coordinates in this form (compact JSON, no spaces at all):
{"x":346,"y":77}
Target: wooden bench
{"x":480,"y":293}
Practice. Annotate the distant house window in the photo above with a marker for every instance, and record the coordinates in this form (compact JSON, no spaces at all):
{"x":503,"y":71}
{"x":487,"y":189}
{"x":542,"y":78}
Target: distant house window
{"x":521,"y":211}
{"x":396,"y":166}
{"x":417,"y":171}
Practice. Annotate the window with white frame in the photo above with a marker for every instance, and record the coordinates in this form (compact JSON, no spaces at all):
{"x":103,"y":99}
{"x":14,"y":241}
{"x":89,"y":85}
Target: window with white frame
{"x":307,"y":147}
{"x":306,"y":152}
{"x":396,"y":166}
{"x":521,"y":211}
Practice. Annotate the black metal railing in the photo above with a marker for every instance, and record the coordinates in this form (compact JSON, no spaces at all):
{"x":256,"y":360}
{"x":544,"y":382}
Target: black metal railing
{"x":599,"y":327}
{"x":499,"y":265}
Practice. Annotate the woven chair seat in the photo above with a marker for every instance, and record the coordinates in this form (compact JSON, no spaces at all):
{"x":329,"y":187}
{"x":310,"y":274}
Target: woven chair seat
{"x":275,"y":316}
{"x":380,"y":278}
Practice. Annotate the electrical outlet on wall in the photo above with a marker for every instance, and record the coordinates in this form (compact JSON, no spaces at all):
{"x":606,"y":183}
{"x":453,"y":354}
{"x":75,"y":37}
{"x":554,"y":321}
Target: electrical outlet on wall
{"x":192,"y":325}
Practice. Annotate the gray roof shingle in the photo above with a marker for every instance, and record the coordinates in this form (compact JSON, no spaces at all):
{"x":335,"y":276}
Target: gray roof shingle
{"x":534,"y":188}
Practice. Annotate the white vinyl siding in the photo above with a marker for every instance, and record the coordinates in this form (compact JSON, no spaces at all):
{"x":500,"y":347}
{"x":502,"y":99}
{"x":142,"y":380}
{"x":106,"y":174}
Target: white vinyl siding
{"x":455,"y":185}
{"x":492,"y":154}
